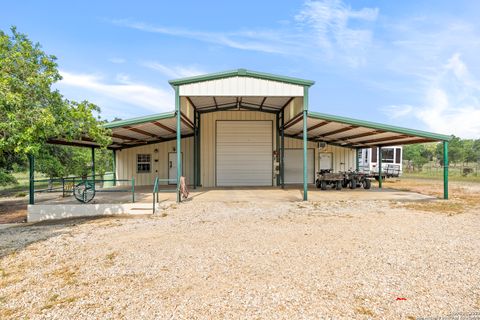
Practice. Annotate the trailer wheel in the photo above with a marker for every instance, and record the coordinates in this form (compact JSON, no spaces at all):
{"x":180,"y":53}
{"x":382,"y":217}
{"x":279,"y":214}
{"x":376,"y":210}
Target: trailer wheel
{"x":353,"y":184}
{"x":317,"y":183}
{"x":344,"y":183}
{"x":338,"y":185}
{"x":367,"y":184}
{"x":323,"y":185}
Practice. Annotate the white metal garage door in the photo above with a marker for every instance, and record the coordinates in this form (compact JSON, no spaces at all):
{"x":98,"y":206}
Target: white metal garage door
{"x":244,"y":153}
{"x":294,"y":165}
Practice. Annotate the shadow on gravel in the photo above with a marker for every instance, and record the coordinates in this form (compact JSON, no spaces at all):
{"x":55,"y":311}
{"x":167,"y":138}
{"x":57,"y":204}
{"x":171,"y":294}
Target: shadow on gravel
{"x":18,"y":237}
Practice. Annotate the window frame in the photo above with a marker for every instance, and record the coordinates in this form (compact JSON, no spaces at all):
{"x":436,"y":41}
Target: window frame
{"x":149,"y":162}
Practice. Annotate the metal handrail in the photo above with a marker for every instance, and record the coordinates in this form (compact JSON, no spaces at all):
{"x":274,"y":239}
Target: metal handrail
{"x":155,"y":193}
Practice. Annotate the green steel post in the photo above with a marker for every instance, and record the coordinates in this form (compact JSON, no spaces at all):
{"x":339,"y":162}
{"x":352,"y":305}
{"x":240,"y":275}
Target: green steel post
{"x":445,"y":170}
{"x":31,"y":192}
{"x":114,"y":156}
{"x":277,"y":143}
{"x":199,"y":161}
{"x":282,"y":152}
{"x":179,"y":146}
{"x":195,"y":150}
{"x":357,"y":153}
{"x":380,"y":167}
{"x":305,"y":161}
{"x":133,"y":189}
{"x":93,"y":167}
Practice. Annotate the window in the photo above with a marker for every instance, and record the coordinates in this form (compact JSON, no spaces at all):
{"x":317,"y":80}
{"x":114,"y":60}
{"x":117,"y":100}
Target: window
{"x":143,"y":163}
{"x":387,"y":155}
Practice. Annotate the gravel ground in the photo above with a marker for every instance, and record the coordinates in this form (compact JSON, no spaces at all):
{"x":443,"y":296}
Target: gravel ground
{"x":241,"y":260}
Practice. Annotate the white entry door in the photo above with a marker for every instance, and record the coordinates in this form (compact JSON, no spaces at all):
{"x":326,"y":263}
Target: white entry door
{"x":294,"y":165}
{"x":244,"y":153}
{"x":326,"y":161}
{"x":172,"y":167}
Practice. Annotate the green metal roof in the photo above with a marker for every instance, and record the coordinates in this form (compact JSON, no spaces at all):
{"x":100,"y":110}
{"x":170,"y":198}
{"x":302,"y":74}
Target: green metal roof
{"x":241,"y":73}
{"x":380,"y":126}
{"x":139,"y":120}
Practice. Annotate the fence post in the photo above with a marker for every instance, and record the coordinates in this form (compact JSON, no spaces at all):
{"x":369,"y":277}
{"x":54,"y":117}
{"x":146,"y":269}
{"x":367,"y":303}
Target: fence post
{"x":31,"y":186}
{"x":133,"y":189}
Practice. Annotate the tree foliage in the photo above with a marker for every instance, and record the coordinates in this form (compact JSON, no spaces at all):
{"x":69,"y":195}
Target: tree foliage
{"x":460,"y":151}
{"x":31,"y":111}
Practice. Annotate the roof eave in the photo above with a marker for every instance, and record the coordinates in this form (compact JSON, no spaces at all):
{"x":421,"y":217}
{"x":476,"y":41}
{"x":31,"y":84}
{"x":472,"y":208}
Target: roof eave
{"x":139,"y":120}
{"x":380,"y":126}
{"x":241,"y":73}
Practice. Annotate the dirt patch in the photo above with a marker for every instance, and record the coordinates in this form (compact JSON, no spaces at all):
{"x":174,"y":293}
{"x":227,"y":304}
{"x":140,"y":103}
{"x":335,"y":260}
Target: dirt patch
{"x":463,"y":196}
{"x":13,"y":210}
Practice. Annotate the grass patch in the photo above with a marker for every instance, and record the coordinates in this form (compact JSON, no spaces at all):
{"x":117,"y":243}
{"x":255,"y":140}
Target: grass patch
{"x":68,"y":275}
{"x":365,"y":311}
{"x":55,"y":300}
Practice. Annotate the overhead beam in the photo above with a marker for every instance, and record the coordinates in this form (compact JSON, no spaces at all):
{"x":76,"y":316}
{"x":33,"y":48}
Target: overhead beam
{"x":119,"y":136}
{"x":263,"y":101}
{"x":164,"y":127}
{"x":191,"y":102}
{"x":331,"y":133}
{"x":318,"y":125}
{"x":185,"y":120}
{"x":393,"y":138}
{"x":287,"y":103}
{"x":215,"y":102}
{"x":145,"y":133}
{"x":294,"y":120}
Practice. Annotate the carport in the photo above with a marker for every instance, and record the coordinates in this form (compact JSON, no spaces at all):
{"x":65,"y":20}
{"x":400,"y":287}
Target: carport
{"x":226,"y":126}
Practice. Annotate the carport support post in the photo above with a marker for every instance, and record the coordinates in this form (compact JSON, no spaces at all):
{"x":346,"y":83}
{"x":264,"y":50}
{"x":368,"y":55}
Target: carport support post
{"x":305,"y":163}
{"x":93,"y":167}
{"x":282,"y":151}
{"x":380,"y":167}
{"x":195,"y":141}
{"x":114,"y":165}
{"x":357,"y":163}
{"x":445,"y":170}
{"x":179,"y":140}
{"x":31,"y":186}
{"x":277,"y":144}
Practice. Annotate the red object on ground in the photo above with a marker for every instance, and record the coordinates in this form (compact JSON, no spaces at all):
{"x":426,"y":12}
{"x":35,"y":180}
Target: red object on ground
{"x":401,"y":299}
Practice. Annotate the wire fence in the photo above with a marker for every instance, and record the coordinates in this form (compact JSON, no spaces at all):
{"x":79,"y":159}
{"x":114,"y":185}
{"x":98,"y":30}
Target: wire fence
{"x":435,"y":169}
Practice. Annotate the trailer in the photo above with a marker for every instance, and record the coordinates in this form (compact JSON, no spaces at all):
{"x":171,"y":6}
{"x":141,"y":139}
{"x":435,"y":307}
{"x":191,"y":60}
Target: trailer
{"x":391,"y":161}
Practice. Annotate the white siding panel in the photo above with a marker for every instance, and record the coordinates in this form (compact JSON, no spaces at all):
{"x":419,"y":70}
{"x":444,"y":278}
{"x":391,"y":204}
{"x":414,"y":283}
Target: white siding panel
{"x":241,"y":86}
{"x":294,"y":165}
{"x":244,"y":153}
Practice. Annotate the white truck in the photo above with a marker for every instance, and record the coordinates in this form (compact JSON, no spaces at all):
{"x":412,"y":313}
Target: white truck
{"x":391,"y":161}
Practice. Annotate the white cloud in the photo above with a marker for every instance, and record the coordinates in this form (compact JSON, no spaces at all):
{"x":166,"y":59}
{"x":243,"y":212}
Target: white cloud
{"x":320,"y":30}
{"x":451,"y":102}
{"x":123,"y":90}
{"x":174,"y":72}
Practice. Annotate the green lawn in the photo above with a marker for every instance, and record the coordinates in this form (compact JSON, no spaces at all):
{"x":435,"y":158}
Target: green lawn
{"x":21,"y":188}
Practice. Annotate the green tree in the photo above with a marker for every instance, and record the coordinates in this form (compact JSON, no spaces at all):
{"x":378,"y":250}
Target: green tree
{"x":456,"y":151}
{"x":31,"y":111}
{"x":419,"y":154}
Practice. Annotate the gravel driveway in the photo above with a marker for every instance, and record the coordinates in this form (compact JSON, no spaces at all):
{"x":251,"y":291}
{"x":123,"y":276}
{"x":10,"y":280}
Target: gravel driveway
{"x":242,"y":260}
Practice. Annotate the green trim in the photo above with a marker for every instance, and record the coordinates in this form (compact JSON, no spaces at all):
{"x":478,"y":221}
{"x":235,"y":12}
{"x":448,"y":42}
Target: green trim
{"x":380,"y":126}
{"x":179,"y":144}
{"x":241,"y":73}
{"x":139,"y":120}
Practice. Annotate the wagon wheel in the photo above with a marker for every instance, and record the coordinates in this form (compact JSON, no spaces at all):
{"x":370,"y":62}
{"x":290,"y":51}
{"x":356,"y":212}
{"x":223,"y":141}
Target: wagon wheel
{"x":84,"y":191}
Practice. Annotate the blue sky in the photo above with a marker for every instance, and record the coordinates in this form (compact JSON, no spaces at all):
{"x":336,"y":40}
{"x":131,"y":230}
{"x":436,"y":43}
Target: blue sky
{"x":408,"y":63}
